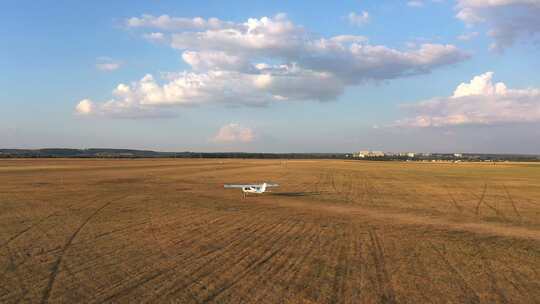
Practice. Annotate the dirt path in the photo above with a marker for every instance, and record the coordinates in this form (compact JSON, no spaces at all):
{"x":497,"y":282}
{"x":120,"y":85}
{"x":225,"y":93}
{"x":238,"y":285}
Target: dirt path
{"x":397,"y":218}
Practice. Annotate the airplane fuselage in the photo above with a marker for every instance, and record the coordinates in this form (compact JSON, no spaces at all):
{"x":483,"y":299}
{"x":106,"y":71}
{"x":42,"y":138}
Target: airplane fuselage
{"x":251,"y":188}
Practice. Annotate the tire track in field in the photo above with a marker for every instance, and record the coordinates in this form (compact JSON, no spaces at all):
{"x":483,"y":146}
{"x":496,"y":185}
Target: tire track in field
{"x":344,"y":189}
{"x":89,"y":265}
{"x":275,"y":269}
{"x":298,"y":265}
{"x":168,"y":269}
{"x":333,"y":182}
{"x":34,"y":226}
{"x":403,"y":218}
{"x":250,"y":267}
{"x":420,"y":271}
{"x":323,"y":241}
{"x":213,"y":254}
{"x":482,"y":201}
{"x":223,"y":222}
{"x":199,"y":223}
{"x":468,"y":292}
{"x":522,"y":284}
{"x":415,"y":266}
{"x":21,"y":286}
{"x":342,"y":269}
{"x":319,"y":264}
{"x":511,"y":200}
{"x":22,"y":232}
{"x":190,"y":213}
{"x":245,"y":253}
{"x":128,"y":227}
{"x":356,"y":293}
{"x":85,"y":284}
{"x":202,"y":271}
{"x":494,"y":286}
{"x":351,"y":272}
{"x":257,"y":262}
{"x":453,"y":199}
{"x":37,"y":224}
{"x":56,"y":266}
{"x":289,"y":260}
{"x":384,"y":282}
{"x":308,"y":254}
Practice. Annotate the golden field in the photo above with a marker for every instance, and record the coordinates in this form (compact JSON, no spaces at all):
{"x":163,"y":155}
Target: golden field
{"x":165,"y":230}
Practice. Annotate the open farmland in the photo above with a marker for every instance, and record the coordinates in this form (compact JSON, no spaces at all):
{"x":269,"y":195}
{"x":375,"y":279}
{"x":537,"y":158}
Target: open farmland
{"x":165,"y":230}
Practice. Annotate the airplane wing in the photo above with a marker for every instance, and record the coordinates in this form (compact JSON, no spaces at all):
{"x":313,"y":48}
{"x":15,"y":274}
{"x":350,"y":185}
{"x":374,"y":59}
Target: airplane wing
{"x":240,"y":185}
{"x":248,"y":185}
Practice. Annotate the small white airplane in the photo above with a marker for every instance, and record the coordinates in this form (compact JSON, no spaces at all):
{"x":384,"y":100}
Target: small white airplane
{"x":251,"y":188}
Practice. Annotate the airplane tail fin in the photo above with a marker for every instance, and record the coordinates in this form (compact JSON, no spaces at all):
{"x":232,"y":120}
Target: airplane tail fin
{"x":263,"y":187}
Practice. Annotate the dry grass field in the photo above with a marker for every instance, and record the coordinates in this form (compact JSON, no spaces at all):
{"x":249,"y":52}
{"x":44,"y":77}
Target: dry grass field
{"x":165,"y":230}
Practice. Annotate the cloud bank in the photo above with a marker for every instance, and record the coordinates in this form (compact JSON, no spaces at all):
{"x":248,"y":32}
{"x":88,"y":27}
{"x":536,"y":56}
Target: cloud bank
{"x":478,"y":102}
{"x":508,"y":20}
{"x":261,"y":61}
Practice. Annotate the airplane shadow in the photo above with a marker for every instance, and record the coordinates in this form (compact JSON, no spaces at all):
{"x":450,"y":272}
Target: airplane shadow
{"x":295,"y":193}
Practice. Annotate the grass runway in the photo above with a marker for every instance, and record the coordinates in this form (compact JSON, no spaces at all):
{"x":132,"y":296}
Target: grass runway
{"x":165,"y":230}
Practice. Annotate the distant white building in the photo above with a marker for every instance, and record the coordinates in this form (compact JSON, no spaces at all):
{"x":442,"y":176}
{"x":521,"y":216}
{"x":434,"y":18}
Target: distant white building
{"x":367,"y":153}
{"x":411,"y":154}
{"x":458,"y":155}
{"x":377,"y":154}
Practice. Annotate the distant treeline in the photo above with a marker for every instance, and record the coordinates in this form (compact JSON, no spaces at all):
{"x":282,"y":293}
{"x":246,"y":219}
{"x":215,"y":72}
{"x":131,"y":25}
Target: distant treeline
{"x":129,"y":153}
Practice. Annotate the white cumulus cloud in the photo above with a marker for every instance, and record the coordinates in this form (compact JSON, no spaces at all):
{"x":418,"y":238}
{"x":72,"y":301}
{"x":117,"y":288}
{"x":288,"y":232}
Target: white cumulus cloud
{"x":84,"y":107}
{"x":234,"y":133}
{"x":155,"y":37}
{"x":264,"y":60}
{"x":479,"y":101}
{"x":215,"y":60}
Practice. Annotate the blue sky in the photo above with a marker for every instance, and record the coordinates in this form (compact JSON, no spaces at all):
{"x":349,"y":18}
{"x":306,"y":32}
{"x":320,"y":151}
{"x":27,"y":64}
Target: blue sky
{"x":301,"y":76}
